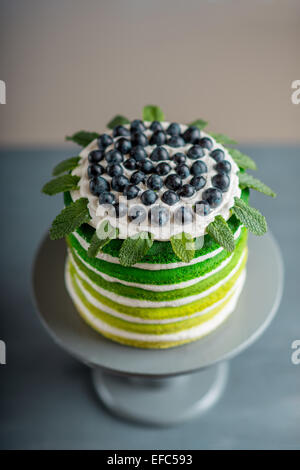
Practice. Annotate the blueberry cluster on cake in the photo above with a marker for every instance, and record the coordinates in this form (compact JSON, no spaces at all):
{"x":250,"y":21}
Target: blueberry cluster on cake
{"x":156,"y":219}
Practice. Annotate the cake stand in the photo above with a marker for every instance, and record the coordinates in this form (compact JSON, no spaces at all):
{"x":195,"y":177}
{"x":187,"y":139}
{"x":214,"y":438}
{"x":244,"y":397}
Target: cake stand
{"x":160,"y":387}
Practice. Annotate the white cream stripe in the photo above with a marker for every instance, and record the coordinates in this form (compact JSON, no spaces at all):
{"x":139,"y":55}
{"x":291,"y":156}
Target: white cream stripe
{"x":131,"y":302}
{"x":130,"y":318}
{"x":164,"y":287}
{"x":188,"y":334}
{"x":154,"y":267}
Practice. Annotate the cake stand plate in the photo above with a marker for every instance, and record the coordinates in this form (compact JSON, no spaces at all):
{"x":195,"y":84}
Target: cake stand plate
{"x":161,"y":387}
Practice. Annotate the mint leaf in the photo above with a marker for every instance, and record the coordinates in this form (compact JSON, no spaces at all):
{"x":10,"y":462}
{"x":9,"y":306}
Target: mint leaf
{"x":117,"y":121}
{"x":223,"y":139}
{"x":65,"y":165}
{"x":103,"y":235}
{"x":248,"y":181}
{"x":183,"y":246}
{"x":153,"y":113}
{"x":198,"y":123}
{"x":83,"y":138}
{"x":250,"y":217}
{"x":61,"y":184}
{"x":134,"y":249}
{"x":221,"y":233}
{"x":70,"y":218}
{"x":242,"y":160}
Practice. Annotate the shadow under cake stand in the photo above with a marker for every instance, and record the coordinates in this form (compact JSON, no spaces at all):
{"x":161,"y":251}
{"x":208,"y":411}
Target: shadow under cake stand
{"x":161,"y":387}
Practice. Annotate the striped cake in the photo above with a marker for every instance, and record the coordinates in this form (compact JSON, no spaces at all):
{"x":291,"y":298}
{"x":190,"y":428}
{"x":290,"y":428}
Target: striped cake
{"x":156,"y":219}
{"x":160,"y":302}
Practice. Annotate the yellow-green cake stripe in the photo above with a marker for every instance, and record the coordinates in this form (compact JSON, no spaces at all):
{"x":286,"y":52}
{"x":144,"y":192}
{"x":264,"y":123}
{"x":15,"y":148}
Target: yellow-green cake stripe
{"x":168,"y":312}
{"x":154,"y":329}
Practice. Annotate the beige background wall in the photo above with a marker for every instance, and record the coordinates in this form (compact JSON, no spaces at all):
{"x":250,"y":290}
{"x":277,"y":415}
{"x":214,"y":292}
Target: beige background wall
{"x":71,"y":64}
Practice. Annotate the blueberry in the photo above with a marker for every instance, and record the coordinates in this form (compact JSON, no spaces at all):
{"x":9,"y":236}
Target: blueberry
{"x":130,"y":164}
{"x":183,"y":215}
{"x":158,"y":138}
{"x":224,"y":166}
{"x":137,"y":214}
{"x":187,"y":190}
{"x":120,"y":209}
{"x":206,"y":143}
{"x":170,"y":197}
{"x":106,"y":198}
{"x":173,"y":181}
{"x":156,"y":126}
{"x":221,"y":181}
{"x":113,"y":156}
{"x":98,"y":185}
{"x":217,"y":155}
{"x":123,"y":145}
{"x":96,"y":156}
{"x":163,"y":168}
{"x":121,"y":131}
{"x":191,"y":135}
{"x":175,"y":141}
{"x":148,"y":197}
{"x":202,"y":208}
{"x":95,"y":170}
{"x":173,"y":129}
{"x":198,"y":182}
{"x":154,"y":182}
{"x":198,"y":168}
{"x":138,"y":138}
{"x":158,"y":215}
{"x":137,"y":177}
{"x":179,"y":158}
{"x":104,"y":141}
{"x":138,"y":153}
{"x":131,"y":191}
{"x":195,"y":152}
{"x":146,"y":166}
{"x":183,"y":171}
{"x":118,"y":183}
{"x":159,"y":153}
{"x":114,"y":170}
{"x":213,"y":196}
{"x":137,"y":126}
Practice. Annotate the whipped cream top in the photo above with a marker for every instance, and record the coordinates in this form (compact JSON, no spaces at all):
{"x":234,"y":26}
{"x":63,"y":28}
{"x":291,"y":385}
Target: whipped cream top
{"x":128,"y":228}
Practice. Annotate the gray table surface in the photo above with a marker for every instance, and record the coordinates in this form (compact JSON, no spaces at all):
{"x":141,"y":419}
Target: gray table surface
{"x":46,"y":397}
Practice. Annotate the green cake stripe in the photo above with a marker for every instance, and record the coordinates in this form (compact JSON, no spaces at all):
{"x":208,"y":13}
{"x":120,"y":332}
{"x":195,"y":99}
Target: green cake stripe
{"x":133,"y":342}
{"x":160,"y":252}
{"x":154,"y":296}
{"x":153,"y":329}
{"x":162,"y":277}
{"x":167,"y":312}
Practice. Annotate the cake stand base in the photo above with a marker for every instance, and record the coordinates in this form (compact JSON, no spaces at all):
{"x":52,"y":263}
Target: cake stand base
{"x":162,"y":402}
{"x":160,"y":387}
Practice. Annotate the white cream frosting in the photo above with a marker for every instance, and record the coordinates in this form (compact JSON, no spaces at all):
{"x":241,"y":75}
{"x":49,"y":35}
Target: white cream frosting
{"x":131,"y":302}
{"x":128,"y":229}
{"x":188,"y":334}
{"x":155,"y":266}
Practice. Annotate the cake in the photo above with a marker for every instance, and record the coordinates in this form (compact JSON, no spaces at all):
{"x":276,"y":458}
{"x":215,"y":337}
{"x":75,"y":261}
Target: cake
{"x":156,"y":220}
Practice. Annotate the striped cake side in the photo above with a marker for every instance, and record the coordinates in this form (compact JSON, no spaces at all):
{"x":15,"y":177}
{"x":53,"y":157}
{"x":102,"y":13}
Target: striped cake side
{"x":155,"y":308}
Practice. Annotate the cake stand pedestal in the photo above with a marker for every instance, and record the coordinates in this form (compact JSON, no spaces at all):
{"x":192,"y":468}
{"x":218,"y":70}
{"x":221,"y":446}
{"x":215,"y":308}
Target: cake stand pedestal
{"x":160,"y":387}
